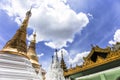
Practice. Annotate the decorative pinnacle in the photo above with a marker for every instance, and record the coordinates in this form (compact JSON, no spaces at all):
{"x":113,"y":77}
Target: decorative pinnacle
{"x":28,"y":14}
{"x":52,"y":59}
{"x":62,"y":54}
{"x":30,"y":8}
{"x":56,"y":54}
{"x":34,"y":36}
{"x":56,"y":50}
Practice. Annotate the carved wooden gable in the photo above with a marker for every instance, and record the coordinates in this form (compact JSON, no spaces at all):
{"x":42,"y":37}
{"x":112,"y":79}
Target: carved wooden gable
{"x":97,"y":52}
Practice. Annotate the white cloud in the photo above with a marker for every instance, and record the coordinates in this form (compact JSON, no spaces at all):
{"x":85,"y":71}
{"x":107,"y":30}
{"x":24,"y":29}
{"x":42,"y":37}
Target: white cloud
{"x":90,"y":15}
{"x":72,"y":52}
{"x":40,"y":55}
{"x":62,"y":51}
{"x":55,"y":22}
{"x":78,"y":59}
{"x":111,"y":42}
{"x":50,"y":44}
{"x":116,"y":37}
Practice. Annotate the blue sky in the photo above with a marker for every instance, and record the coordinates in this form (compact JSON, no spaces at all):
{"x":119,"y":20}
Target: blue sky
{"x":71,"y":25}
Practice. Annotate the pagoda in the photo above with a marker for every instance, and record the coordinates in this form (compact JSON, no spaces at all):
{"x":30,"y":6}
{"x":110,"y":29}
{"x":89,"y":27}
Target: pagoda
{"x":31,"y":53}
{"x":14,"y":62}
{"x":63,"y":65}
{"x":55,"y":71}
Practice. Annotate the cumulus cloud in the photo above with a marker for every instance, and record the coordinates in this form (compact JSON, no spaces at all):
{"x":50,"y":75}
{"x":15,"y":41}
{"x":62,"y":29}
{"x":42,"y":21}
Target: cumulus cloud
{"x":50,"y":44}
{"x":54,"y":21}
{"x":90,"y":15}
{"x":78,"y":59}
{"x":64,"y":52}
{"x":116,"y":37}
{"x":40,"y":55}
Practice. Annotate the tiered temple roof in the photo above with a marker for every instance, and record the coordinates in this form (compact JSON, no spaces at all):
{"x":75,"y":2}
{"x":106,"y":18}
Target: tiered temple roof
{"x":97,"y":57}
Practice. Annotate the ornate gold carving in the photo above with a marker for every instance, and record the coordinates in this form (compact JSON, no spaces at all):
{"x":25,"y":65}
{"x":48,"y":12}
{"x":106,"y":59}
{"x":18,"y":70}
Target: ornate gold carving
{"x":88,"y":64}
{"x":98,"y":49}
{"x":99,"y":59}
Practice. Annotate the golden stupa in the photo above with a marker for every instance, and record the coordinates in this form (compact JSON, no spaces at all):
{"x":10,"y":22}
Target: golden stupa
{"x":31,"y":53}
{"x":17,"y":45}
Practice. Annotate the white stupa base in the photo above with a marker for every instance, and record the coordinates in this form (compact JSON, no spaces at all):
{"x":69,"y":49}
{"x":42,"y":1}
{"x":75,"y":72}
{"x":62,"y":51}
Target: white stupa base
{"x":14,"y":67}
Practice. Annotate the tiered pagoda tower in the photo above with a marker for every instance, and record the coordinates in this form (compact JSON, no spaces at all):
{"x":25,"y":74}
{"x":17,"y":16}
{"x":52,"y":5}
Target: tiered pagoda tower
{"x":18,"y":42}
{"x":63,"y":65}
{"x":55,"y":72}
{"x":32,"y":54}
{"x":14,"y":62}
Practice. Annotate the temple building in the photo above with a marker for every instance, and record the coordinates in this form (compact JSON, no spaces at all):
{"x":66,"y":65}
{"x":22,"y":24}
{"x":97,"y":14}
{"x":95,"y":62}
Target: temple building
{"x":15,"y":64}
{"x":100,"y":64}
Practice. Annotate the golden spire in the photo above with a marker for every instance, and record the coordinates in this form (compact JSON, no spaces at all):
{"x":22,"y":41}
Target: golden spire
{"x":17,"y":44}
{"x":56,"y":54}
{"x":31,"y":53}
{"x":63,"y":65}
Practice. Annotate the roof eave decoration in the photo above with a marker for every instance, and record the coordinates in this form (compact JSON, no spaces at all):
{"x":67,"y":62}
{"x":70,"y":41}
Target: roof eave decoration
{"x":88,"y":64}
